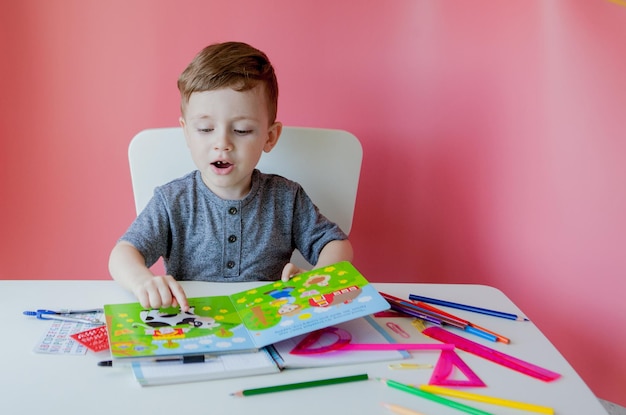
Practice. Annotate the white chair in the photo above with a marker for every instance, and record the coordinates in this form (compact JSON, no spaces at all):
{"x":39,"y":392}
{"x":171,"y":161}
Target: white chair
{"x":327,"y":163}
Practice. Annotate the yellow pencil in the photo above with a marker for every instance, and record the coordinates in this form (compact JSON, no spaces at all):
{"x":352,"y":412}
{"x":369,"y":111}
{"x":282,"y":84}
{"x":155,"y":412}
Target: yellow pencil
{"x":401,"y":410}
{"x":487,"y":399}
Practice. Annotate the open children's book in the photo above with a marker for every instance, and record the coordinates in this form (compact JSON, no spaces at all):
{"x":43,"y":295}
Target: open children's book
{"x":244,"y":321}
{"x":273,"y":358}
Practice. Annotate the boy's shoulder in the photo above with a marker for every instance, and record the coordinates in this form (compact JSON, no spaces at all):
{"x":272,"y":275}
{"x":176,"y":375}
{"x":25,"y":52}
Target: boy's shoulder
{"x":185,"y":182}
{"x":273,"y":181}
{"x":182,"y":187}
{"x":270,"y":177}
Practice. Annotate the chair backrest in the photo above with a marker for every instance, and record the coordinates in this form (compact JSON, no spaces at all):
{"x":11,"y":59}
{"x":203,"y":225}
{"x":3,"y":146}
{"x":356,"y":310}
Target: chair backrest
{"x":326,"y":163}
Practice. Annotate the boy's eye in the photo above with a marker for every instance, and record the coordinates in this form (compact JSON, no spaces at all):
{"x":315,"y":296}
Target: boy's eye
{"x":243,"y":132}
{"x":205,"y":130}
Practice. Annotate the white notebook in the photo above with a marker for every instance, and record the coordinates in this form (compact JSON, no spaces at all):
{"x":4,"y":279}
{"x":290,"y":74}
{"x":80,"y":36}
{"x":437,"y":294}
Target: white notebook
{"x":149,"y":373}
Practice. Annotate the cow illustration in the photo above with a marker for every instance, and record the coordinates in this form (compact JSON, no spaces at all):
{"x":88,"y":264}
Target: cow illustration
{"x":154,"y":318}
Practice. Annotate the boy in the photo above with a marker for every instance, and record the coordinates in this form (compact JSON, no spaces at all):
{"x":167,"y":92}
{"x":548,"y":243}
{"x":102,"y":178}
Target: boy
{"x":225,"y":221}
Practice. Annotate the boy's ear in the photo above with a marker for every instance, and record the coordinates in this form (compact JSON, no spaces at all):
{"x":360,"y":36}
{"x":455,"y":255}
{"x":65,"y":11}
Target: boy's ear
{"x":272,"y":136}
{"x":181,"y":121}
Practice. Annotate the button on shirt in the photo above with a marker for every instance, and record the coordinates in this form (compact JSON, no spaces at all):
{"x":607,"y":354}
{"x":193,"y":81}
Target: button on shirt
{"x":203,"y":237}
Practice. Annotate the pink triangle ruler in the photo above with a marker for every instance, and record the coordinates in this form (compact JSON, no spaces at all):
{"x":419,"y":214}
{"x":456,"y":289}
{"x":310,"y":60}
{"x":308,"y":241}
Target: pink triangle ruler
{"x":442,"y":373}
{"x":491,"y":354}
{"x":332,"y":339}
{"x":341,"y":337}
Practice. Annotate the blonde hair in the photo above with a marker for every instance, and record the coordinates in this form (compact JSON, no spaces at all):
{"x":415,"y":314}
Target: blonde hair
{"x":233,"y":65}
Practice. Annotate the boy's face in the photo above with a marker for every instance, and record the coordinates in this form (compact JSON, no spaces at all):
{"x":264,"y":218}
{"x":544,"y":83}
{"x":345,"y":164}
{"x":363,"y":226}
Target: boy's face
{"x":226,"y":132}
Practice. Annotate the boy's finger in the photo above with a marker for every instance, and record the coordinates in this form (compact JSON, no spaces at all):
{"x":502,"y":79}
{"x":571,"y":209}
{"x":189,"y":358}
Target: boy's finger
{"x":289,"y":271}
{"x":179,"y":295}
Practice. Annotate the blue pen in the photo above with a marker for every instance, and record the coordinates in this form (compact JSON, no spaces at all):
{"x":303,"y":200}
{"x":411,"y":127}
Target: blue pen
{"x":65,"y":315}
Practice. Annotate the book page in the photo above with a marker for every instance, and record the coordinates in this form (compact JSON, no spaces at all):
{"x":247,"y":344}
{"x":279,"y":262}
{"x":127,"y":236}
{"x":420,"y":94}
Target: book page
{"x":362,"y":330}
{"x":212,"y":325}
{"x":307,"y":302}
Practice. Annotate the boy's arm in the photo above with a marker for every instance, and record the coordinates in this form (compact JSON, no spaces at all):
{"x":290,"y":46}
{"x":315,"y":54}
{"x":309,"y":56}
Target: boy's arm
{"x":127,"y":266}
{"x":333,"y":252}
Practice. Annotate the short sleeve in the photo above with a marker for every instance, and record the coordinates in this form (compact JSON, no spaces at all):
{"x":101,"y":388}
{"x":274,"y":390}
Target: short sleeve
{"x":312,"y":230}
{"x":150,"y":232}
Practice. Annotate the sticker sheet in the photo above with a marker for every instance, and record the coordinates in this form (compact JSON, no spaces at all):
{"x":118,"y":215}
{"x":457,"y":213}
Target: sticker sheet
{"x":58,"y":340}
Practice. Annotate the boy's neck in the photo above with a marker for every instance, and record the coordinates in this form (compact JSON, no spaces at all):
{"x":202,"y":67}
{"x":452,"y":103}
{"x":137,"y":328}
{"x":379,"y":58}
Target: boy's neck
{"x":232,"y":192}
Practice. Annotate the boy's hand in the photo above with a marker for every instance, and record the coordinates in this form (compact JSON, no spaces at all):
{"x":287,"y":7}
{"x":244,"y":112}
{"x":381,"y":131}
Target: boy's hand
{"x":290,"y":270}
{"x":161,"y":291}
{"x":333,"y":252}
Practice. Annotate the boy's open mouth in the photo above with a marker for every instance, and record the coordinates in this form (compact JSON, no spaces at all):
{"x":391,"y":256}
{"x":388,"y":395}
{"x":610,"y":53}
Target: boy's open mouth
{"x":222,"y":164}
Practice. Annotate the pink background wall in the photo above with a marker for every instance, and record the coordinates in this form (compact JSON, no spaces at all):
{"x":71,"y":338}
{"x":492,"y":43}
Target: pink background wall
{"x":493,"y":132}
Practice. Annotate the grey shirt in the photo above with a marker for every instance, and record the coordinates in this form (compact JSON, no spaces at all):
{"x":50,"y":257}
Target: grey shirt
{"x":203,"y":237}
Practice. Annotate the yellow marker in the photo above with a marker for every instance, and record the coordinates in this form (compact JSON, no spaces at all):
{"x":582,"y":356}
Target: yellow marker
{"x":410,"y":366}
{"x":486,"y":399}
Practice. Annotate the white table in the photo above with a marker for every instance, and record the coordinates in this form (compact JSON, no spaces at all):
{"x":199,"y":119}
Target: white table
{"x":33,"y":383}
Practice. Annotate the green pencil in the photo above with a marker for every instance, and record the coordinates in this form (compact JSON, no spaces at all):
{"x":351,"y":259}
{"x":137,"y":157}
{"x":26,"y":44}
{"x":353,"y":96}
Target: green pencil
{"x":434,"y":398}
{"x":309,"y":384}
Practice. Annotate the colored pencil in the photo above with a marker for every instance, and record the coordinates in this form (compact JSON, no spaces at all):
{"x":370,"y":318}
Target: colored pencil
{"x":487,"y":399}
{"x":300,"y":385}
{"x":401,"y":304}
{"x":466,"y":307}
{"x":402,"y":309}
{"x":414,"y":310}
{"x":434,"y":398}
{"x":480,"y":333}
{"x":499,"y":337}
{"x":445,"y":317}
{"x":401,"y":410}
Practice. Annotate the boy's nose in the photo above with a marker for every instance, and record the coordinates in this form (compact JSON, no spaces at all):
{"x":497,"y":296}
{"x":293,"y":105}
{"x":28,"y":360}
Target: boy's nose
{"x":222,"y":142}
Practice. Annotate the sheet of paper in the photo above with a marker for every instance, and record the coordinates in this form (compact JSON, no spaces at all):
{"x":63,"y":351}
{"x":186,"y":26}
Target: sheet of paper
{"x":58,"y":340}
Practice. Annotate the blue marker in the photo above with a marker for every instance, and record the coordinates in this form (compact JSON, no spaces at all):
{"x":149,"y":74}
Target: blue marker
{"x":65,"y":315}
